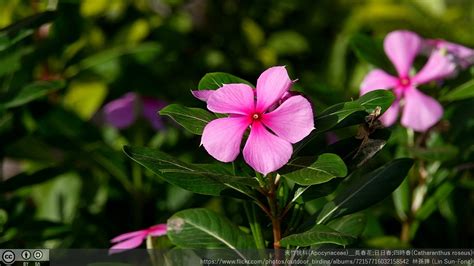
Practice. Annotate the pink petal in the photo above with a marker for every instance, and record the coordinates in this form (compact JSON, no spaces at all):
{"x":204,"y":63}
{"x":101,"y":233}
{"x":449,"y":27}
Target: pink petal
{"x":401,"y":47}
{"x":438,"y":66}
{"x":463,"y":54}
{"x":121,"y":112}
{"x":420,"y":111}
{"x":377,"y":79}
{"x":150,"y":108}
{"x":202,"y":95}
{"x":128,"y":235}
{"x":222,"y":137}
{"x":127,"y":244}
{"x":264,"y":151}
{"x":271,"y":86}
{"x":291,"y":121}
{"x":232,"y":99}
{"x":390,"y":116}
{"x":157,"y":230}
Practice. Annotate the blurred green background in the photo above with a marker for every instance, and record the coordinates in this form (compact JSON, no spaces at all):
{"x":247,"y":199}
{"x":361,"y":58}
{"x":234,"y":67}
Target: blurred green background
{"x":72,"y":185}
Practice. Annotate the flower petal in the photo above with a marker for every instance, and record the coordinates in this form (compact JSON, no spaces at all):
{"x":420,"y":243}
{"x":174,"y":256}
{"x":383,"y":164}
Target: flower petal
{"x":150,"y":108}
{"x":377,"y":79}
{"x":157,"y":230}
{"x":420,"y":111}
{"x":264,"y":151}
{"x":390,"y":116}
{"x":232,"y":99}
{"x":128,"y":235}
{"x":202,"y":95}
{"x":463,"y":55}
{"x":292,"y":120}
{"x":271,"y":86}
{"x":438,"y":66}
{"x":401,"y":47}
{"x":222,"y":137}
{"x":127,"y":244}
{"x":121,"y":112}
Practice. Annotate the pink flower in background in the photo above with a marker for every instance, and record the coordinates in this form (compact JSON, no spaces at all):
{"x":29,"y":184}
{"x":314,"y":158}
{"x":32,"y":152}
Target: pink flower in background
{"x":419,"y":111}
{"x":123,"y":112}
{"x":135,"y":239}
{"x":461,"y":55}
{"x":272,"y":132}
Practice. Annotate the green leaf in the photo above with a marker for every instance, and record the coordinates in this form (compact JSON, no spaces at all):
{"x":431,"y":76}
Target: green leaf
{"x":326,"y":167}
{"x":319,"y":234}
{"x":32,"y":92}
{"x":316,"y":191}
{"x":333,"y":115}
{"x":30,"y":22}
{"x":215,"y":80}
{"x":202,"y":228}
{"x":372,"y":99}
{"x":192,"y":119}
{"x":196,"y":178}
{"x":11,"y":60}
{"x":362,"y":192}
{"x":462,"y":92}
{"x":370,"y":51}
{"x":6,"y":42}
{"x":401,"y":199}
{"x":352,"y":225}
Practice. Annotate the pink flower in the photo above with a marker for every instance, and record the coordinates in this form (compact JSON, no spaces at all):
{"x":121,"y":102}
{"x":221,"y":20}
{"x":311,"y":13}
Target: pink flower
{"x":463,"y":56}
{"x":272,"y":132}
{"x":124,"y":111}
{"x":135,"y":239}
{"x":420,"y":112}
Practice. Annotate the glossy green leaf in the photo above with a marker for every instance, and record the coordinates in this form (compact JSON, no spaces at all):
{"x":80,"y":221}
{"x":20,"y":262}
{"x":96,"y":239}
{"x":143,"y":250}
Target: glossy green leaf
{"x":462,"y":92}
{"x":202,"y":228}
{"x":192,"y":119}
{"x":353,"y":224}
{"x":215,"y":80}
{"x":319,"y":234}
{"x":371,"y":51}
{"x":316,"y":191}
{"x":32,"y":92}
{"x":195,"y":178}
{"x":372,"y":99}
{"x":305,"y":171}
{"x":362,"y":192}
{"x":333,"y":115}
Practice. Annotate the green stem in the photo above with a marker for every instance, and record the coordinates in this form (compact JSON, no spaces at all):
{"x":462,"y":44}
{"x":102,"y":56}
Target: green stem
{"x":254,"y":225}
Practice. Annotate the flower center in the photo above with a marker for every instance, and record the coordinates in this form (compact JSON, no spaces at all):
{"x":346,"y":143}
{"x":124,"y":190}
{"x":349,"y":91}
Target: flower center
{"x":256,"y":116}
{"x":404,"y":82}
